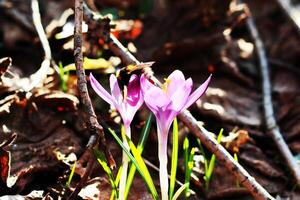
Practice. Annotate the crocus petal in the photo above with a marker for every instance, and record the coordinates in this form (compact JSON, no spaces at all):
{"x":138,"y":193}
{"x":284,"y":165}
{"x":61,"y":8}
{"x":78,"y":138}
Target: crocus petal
{"x":131,"y":110}
{"x":156,"y":98}
{"x":180,"y":97}
{"x":176,"y":79}
{"x":197,"y":93}
{"x":165,"y":119}
{"x":133,"y":90}
{"x":145,"y":83}
{"x":115,"y":89}
{"x":100,"y":90}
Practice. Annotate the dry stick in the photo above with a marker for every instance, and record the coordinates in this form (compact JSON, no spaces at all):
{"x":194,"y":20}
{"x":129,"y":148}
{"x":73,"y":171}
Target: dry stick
{"x":199,"y":131}
{"x":95,"y":128}
{"x":292,"y":12}
{"x":41,"y":74}
{"x":270,"y":120}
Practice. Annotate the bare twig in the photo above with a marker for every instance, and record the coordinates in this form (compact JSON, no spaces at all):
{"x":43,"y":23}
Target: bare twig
{"x":199,"y":131}
{"x":270,"y":120}
{"x":41,"y":74}
{"x":95,"y":128}
{"x":292,"y":12}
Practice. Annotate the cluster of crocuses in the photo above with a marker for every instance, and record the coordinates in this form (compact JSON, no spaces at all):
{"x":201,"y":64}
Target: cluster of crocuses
{"x":166,"y":103}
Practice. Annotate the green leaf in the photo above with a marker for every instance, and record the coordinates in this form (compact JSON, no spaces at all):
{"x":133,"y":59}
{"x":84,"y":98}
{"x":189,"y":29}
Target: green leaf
{"x":204,"y":156}
{"x":179,"y":191}
{"x":140,"y":148}
{"x":119,"y":175}
{"x":190,"y":165}
{"x":117,"y":180}
{"x":92,"y":64}
{"x":71,"y":175}
{"x":103,"y":162}
{"x":186,"y":152}
{"x":138,"y":162}
{"x":211,"y":165}
{"x":235,"y":156}
{"x":174,"y":158}
{"x":63,"y":76}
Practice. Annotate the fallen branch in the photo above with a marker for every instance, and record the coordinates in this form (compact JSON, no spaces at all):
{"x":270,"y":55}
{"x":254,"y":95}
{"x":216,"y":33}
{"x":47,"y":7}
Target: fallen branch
{"x":270,"y":120}
{"x":95,"y":128}
{"x":199,"y":131}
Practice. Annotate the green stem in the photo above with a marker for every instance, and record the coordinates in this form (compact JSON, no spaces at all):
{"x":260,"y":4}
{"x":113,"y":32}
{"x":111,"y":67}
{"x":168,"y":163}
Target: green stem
{"x":163,"y":161}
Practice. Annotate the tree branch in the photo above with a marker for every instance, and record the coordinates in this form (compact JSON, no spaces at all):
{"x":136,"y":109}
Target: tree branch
{"x":270,"y":120}
{"x":37,"y":78}
{"x":95,"y":128}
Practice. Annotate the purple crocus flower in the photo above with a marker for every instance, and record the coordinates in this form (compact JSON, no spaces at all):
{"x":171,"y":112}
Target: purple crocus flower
{"x":166,"y":103}
{"x":127,"y":103}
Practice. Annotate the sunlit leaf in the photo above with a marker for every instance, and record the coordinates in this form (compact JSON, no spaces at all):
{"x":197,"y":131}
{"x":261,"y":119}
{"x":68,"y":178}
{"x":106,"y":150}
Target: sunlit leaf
{"x":174,"y":158}
{"x":179,"y":191}
{"x":117,"y":180}
{"x":93,"y":64}
{"x":71,"y":175}
{"x":189,"y":168}
{"x":138,"y":162}
{"x":140,"y":148}
{"x":211,"y":165}
{"x":235,"y":156}
{"x":103,"y":162}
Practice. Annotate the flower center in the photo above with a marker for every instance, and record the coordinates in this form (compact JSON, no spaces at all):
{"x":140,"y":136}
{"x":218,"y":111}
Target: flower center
{"x":166,"y":84}
{"x":131,"y":68}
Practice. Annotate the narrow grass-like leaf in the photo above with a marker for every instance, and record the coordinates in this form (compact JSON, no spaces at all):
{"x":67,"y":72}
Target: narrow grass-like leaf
{"x":102,"y":161}
{"x":190,"y":165}
{"x":64,"y":76}
{"x":179,"y":191}
{"x":119,"y":175}
{"x":143,"y":167}
{"x":117,"y":180}
{"x":174,"y":158}
{"x":211,"y":165}
{"x":235,"y":156}
{"x":186,"y":152}
{"x":138,"y":162}
{"x":71,"y":175}
{"x":204,"y":155}
{"x":140,"y":148}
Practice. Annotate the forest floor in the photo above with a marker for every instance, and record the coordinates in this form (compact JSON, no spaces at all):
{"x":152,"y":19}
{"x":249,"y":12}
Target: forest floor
{"x":199,"y":38}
